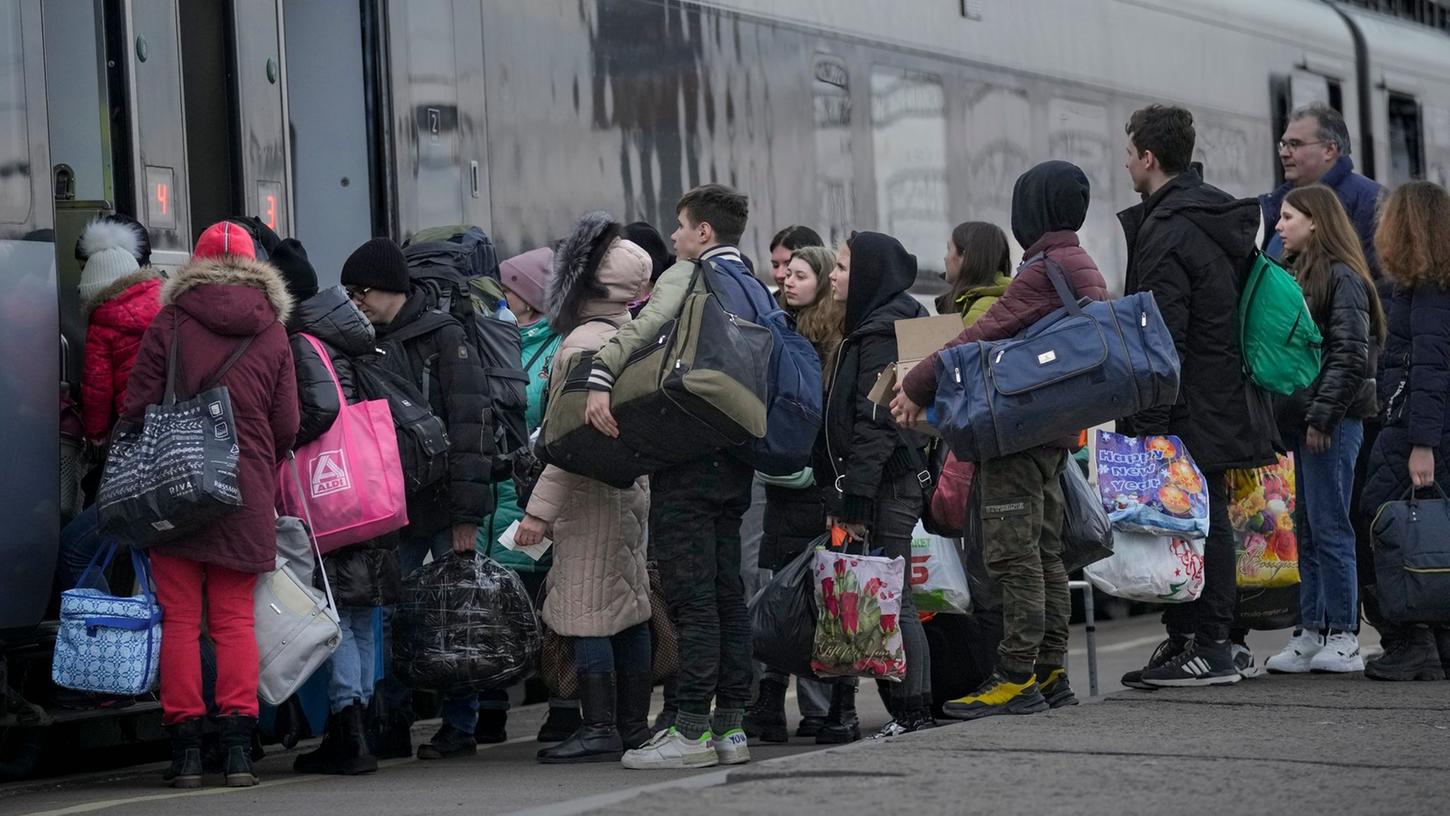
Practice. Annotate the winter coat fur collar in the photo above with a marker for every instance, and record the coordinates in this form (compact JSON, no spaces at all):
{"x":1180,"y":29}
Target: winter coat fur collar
{"x":230,"y":270}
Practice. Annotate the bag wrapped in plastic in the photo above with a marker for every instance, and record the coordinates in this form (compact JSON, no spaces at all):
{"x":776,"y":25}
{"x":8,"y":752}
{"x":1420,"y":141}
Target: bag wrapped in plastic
{"x":858,"y":609}
{"x":465,"y":623}
{"x":1151,"y":485}
{"x":783,"y":616}
{"x":1087,"y":535}
{"x":1155,"y":569}
{"x":1261,"y":511}
{"x":938,"y":580}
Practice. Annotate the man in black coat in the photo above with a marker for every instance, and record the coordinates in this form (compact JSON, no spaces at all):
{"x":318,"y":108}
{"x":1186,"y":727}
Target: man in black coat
{"x":1190,"y":244}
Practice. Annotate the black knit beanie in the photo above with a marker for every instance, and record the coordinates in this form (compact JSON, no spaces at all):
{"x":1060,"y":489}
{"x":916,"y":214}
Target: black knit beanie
{"x":378,"y":264}
{"x":290,"y":258}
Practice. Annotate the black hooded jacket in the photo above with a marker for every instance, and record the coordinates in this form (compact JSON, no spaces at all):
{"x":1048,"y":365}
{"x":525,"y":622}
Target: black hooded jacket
{"x":1190,"y":244}
{"x":1345,"y":386}
{"x":862,"y":445}
{"x":331,"y":317}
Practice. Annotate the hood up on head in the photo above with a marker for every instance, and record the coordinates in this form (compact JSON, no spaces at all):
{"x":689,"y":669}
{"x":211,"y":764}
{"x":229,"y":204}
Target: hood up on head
{"x":576,"y":262}
{"x":1051,"y":197}
{"x":881,"y":269}
{"x":230,"y":295}
{"x":332,"y":317}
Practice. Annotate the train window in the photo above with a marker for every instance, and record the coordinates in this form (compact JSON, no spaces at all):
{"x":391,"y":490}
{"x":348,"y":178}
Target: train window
{"x":1407,"y":149}
{"x":15,"y":167}
{"x":909,"y":136}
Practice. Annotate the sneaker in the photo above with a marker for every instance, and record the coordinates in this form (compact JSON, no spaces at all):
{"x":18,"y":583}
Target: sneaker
{"x":449,"y":742}
{"x":1294,"y":658}
{"x":1339,"y":655}
{"x":1199,"y":666}
{"x":733,"y":747}
{"x":670,"y":749}
{"x":1166,"y":651}
{"x":1054,"y":687}
{"x":1244,"y":662}
{"x":999,"y":695}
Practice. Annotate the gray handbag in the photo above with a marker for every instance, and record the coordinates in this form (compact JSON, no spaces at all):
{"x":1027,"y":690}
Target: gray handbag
{"x":297,"y":625}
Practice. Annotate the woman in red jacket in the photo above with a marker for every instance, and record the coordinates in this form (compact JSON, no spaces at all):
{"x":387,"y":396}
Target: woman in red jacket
{"x":223,"y":296}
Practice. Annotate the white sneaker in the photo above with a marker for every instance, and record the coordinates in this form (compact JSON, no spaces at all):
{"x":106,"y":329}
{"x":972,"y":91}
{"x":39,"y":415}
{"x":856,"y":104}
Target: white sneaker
{"x":1244,"y":662}
{"x":670,"y":749}
{"x":1340,"y":654}
{"x":1296,"y":654}
{"x":733,"y":748}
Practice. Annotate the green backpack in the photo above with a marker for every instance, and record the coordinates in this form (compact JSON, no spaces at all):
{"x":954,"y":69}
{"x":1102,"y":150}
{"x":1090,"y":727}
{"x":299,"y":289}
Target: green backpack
{"x":1277,"y":335}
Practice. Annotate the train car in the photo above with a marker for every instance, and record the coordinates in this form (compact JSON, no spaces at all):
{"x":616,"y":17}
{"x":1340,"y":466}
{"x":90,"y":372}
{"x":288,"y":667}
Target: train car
{"x":337,"y":120}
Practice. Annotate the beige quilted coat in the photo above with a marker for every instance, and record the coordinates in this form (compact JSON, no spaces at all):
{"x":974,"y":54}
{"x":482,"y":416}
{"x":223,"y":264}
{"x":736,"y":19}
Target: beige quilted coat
{"x":598,"y":585}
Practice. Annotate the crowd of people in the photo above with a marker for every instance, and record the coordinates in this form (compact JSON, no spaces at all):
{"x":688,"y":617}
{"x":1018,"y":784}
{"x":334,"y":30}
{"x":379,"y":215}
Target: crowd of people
{"x":1374,"y":267}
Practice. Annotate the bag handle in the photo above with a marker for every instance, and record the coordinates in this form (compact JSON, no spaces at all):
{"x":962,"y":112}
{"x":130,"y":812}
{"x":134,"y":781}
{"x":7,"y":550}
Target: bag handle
{"x":140,"y":564}
{"x":327,"y":363}
{"x":1413,"y":494}
{"x":311,"y":536}
{"x":1065,"y":293}
{"x":173,"y":363}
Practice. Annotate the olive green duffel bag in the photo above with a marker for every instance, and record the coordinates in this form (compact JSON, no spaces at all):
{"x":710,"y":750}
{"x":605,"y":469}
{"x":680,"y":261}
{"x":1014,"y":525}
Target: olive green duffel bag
{"x":699,"y":387}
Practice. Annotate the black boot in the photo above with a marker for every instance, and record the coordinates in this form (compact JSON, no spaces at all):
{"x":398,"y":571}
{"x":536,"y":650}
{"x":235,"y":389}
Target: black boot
{"x":1442,"y":645}
{"x":185,"y":770}
{"x":344,"y":750}
{"x":634,"y":690}
{"x":492,"y":727}
{"x":1411,"y":657}
{"x":597,"y":739}
{"x":765,"y":719}
{"x":924,"y":717}
{"x":236,"y":734}
{"x":842,"y":725}
{"x":561,"y":723}
{"x":321,"y":757}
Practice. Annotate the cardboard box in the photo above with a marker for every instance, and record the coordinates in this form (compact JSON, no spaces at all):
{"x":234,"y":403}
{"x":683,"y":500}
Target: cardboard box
{"x":916,"y":339}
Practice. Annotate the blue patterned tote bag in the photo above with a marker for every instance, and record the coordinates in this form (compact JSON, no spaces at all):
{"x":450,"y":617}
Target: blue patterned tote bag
{"x":108,"y":644}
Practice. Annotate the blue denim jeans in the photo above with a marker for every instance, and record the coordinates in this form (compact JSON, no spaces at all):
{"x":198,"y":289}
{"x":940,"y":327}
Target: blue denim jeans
{"x":1329,"y":586}
{"x":627,"y":651}
{"x":354,"y":663}
{"x":80,"y":540}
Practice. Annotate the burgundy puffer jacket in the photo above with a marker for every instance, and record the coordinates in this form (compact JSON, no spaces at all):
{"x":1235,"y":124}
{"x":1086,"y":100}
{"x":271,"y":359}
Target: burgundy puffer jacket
{"x":214,"y":304}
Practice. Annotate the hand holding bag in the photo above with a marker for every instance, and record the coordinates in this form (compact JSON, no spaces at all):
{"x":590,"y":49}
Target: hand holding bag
{"x":1412,"y":558}
{"x":108,"y":644}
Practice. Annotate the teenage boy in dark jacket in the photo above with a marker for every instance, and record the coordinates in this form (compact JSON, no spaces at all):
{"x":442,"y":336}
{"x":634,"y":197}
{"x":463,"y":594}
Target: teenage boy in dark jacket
{"x":430,"y":349}
{"x":1021,"y":495}
{"x":695,"y":512}
{"x":1189,"y":244}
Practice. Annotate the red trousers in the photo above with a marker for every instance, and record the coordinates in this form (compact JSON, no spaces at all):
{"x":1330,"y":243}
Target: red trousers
{"x":183,"y":588}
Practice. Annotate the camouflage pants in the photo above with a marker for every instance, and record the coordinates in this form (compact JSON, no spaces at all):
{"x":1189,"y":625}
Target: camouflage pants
{"x":1021,"y":501}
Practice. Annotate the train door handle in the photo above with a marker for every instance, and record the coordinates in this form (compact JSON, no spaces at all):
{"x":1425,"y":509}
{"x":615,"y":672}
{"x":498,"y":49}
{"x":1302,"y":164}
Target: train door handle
{"x":473,"y":175}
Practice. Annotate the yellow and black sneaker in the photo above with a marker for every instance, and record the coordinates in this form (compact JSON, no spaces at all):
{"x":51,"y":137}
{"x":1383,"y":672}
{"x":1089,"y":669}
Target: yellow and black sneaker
{"x":999,"y":695}
{"x":1055,"y":690}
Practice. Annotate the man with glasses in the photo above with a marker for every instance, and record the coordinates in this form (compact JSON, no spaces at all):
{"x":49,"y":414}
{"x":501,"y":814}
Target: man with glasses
{"x":1315,"y":150}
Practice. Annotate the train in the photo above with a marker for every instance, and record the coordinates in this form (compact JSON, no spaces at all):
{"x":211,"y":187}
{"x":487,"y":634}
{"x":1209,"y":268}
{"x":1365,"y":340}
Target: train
{"x":338,"y":120}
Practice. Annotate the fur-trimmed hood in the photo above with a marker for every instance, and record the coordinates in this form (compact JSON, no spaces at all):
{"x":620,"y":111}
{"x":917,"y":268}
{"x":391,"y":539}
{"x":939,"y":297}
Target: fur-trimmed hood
{"x":597,"y":273}
{"x":230,"y":295}
{"x":117,"y":287}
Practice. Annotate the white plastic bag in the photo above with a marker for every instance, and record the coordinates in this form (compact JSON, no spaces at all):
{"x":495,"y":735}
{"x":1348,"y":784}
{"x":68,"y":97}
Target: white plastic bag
{"x":938,"y":580}
{"x":1150,"y":568}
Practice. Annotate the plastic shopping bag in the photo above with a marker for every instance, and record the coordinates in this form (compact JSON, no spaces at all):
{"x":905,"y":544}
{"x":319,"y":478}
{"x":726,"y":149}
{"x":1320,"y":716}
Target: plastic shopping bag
{"x":1150,"y":568}
{"x":858,"y":606}
{"x":1261,"y":510}
{"x":783,"y":616}
{"x":1087,"y":535}
{"x":1150,"y":485}
{"x":938,"y":580}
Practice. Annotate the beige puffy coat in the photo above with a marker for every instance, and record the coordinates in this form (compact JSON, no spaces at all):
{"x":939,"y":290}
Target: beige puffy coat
{"x":598,"y":585}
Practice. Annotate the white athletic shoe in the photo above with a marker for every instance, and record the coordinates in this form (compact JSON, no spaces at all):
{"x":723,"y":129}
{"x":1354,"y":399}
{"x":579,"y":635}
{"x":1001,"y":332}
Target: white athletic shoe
{"x":733,"y":748}
{"x":1340,"y":654}
{"x":1244,"y":662}
{"x":1296,"y":654}
{"x":670,"y":749}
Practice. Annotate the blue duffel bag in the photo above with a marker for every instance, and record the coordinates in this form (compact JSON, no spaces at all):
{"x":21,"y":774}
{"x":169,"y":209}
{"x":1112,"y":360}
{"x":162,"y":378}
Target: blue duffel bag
{"x":1087,"y":363}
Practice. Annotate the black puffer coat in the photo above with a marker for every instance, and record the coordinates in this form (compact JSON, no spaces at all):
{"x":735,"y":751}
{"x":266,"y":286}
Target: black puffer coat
{"x":862,"y":445}
{"x":1345,"y":386}
{"x":364,"y":574}
{"x":1189,"y":244}
{"x":1414,"y":388}
{"x":436,"y":355}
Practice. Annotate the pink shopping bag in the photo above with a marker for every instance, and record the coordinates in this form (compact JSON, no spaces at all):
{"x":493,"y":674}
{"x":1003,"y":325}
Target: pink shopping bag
{"x":351,"y":475}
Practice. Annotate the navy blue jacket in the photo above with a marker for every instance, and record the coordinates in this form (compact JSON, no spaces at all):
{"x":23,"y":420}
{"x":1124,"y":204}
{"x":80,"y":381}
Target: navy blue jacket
{"x":1359,"y":195}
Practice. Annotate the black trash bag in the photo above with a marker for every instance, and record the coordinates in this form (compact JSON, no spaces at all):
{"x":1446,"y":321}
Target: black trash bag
{"x":783,"y":616}
{"x":1087,"y":536}
{"x":465,"y":624}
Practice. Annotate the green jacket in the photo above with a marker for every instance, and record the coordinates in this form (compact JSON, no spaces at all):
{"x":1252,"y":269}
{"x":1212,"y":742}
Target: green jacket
{"x":975,"y":302}
{"x":540,"y":343}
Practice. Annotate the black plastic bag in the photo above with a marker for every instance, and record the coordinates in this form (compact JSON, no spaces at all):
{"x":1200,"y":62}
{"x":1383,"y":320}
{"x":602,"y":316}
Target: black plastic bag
{"x":465,"y":624}
{"x":783,"y":616}
{"x":1087,"y":536}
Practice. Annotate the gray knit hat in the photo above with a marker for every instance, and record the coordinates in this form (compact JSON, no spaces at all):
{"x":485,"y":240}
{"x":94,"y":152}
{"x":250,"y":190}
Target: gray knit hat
{"x":110,"y":249}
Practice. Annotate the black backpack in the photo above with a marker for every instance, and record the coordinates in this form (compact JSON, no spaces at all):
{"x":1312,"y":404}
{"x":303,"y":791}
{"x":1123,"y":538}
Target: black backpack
{"x":448,"y":274}
{"x":422,"y":436}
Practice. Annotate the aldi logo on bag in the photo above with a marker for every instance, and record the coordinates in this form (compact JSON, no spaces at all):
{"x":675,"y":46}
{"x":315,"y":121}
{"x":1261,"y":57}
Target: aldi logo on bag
{"x":329,"y":474}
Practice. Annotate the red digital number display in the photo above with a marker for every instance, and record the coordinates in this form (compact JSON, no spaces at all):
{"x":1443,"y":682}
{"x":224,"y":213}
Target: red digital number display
{"x":160,"y":199}
{"x":270,"y":206}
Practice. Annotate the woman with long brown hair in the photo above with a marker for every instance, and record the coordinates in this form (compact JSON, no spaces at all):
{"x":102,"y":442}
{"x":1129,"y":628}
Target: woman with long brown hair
{"x":1413,"y":449}
{"x":1325,"y":423}
{"x":978,"y":268}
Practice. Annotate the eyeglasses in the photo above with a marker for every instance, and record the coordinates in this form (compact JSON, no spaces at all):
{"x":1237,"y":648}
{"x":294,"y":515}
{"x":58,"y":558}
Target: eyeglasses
{"x":358,"y":294}
{"x":1294,"y":144}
